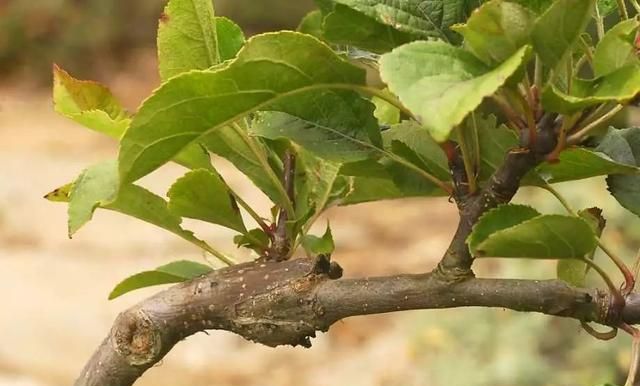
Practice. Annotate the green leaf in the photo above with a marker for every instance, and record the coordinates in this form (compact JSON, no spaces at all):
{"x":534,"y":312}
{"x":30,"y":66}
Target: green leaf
{"x":60,"y":194}
{"x":617,"y":48}
{"x":558,"y":29}
{"x":88,"y":103}
{"x":318,"y":184}
{"x":93,"y":106}
{"x":579,"y":163}
{"x":328,"y":137}
{"x":255,"y":239}
{"x":494,"y":142}
{"x":229,"y":144}
{"x":284,"y":71}
{"x":410,"y":141}
{"x":347,"y":26}
{"x":187,"y":38}
{"x":97,"y":186}
{"x":624,"y":147}
{"x":230,"y":38}
{"x":516,"y":231}
{"x":385,"y":112}
{"x":574,"y":271}
{"x":315,"y":245}
{"x":441,"y":83}
{"x":496,"y":30}
{"x":368,"y":181}
{"x":311,"y":24}
{"x":175,"y":272}
{"x":203,"y":195}
{"x":500,"y":218}
{"x":618,"y":86}
{"x":606,"y":7}
{"x":538,"y":6}
{"x":416,"y":17}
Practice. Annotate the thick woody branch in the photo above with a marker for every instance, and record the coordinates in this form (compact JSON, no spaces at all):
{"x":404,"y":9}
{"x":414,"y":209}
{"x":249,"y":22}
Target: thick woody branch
{"x":285,"y":303}
{"x":500,"y":189}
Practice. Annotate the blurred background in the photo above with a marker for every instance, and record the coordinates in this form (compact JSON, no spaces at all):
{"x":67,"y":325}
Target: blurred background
{"x":53,"y":307}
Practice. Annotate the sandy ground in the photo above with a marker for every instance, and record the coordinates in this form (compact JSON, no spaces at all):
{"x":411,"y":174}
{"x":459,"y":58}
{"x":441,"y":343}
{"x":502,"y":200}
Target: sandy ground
{"x":54,"y":310}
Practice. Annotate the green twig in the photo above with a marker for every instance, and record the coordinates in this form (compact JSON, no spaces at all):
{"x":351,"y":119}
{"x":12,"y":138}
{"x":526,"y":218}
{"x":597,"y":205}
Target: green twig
{"x":599,"y":23}
{"x":466,"y":160}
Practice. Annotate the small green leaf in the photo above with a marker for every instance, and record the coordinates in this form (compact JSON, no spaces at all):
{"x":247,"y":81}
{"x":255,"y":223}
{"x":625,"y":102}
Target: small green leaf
{"x":606,"y":7}
{"x":96,"y":187}
{"x":311,"y":24}
{"x":88,"y":103}
{"x":618,"y":86}
{"x":385,"y":112}
{"x":516,"y":231}
{"x":347,"y":26}
{"x":230,"y":38}
{"x":255,"y":239}
{"x":203,"y":195}
{"x":624,"y":147}
{"x":617,"y":48}
{"x":315,"y":245}
{"x":558,"y":29}
{"x":496,"y":30}
{"x":187,"y":38}
{"x":494,"y":142}
{"x":441,"y":83}
{"x":175,"y":272}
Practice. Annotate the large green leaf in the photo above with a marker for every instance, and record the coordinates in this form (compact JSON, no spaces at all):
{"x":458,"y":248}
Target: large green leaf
{"x":332,"y":137}
{"x":423,"y":18}
{"x":558,"y":29}
{"x":345,"y":25}
{"x":516,"y":231}
{"x":624,"y":146}
{"x":369,"y":181}
{"x":441,"y":83}
{"x":187,"y":37}
{"x":284,"y":71}
{"x":88,"y":103}
{"x":617,"y":48}
{"x":619,"y":86}
{"x":97,"y":186}
{"x":203,"y":195}
{"x":174,"y":272}
{"x":496,"y":30}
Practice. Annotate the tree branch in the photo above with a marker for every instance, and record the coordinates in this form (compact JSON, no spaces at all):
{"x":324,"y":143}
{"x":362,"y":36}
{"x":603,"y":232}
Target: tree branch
{"x":502,"y":186}
{"x":285,"y":303}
